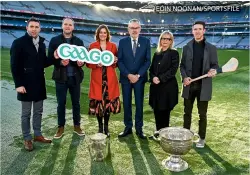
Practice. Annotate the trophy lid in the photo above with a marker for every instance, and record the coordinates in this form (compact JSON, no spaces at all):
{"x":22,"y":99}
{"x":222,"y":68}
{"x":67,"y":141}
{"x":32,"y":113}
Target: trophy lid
{"x":98,"y":137}
{"x":176,"y":133}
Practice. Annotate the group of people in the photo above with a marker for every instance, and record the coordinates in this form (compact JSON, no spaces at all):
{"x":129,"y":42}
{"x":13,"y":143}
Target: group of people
{"x":133,"y":59}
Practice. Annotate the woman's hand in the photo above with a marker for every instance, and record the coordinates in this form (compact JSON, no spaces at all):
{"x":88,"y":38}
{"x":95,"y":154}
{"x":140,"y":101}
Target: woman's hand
{"x":156,"y":80}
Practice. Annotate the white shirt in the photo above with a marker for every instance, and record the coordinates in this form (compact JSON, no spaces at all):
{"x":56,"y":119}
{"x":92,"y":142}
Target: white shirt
{"x":132,"y":42}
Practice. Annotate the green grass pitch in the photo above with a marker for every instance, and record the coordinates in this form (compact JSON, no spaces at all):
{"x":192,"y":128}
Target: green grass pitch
{"x":226,"y":151}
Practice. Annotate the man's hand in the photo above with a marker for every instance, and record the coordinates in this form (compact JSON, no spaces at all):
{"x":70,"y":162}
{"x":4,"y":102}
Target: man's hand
{"x":212,"y":73}
{"x":156,"y":80}
{"x":65,"y":62}
{"x":133,"y":78}
{"x":21,"y":90}
{"x":80,"y":63}
{"x":186,"y":81}
{"x":56,"y":55}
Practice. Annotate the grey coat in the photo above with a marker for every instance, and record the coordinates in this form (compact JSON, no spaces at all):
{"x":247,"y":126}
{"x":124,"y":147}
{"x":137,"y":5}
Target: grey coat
{"x":210,"y":62}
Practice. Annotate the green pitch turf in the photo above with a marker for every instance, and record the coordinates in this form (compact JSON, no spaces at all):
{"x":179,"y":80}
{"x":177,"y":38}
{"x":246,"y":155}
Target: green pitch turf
{"x":226,"y":151}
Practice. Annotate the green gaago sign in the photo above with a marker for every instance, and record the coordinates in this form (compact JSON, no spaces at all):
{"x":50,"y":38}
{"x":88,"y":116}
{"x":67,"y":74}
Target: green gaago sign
{"x":80,"y":53}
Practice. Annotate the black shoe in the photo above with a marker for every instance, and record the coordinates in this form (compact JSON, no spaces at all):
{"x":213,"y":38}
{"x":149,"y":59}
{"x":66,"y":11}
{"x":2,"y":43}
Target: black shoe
{"x":106,"y":130}
{"x":141,"y":135}
{"x":125,"y":132}
{"x":100,"y":130}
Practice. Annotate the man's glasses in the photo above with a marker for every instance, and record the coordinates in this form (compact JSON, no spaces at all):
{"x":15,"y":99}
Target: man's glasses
{"x":134,"y":28}
{"x":165,"y":39}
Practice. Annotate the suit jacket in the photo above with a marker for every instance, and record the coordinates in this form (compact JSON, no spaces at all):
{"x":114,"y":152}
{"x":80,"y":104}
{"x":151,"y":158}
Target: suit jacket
{"x":130,"y":64}
{"x":95,"y":90}
{"x":27,"y":67}
{"x":210,"y":62}
{"x":164,"y":96}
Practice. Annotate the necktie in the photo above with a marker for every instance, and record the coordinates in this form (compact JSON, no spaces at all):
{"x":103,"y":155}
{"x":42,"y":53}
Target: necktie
{"x":134,"y":47}
{"x":36,"y":42}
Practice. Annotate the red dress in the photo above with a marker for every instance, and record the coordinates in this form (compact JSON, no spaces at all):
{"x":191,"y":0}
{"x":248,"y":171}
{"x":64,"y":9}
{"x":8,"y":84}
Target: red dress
{"x":104,"y":87}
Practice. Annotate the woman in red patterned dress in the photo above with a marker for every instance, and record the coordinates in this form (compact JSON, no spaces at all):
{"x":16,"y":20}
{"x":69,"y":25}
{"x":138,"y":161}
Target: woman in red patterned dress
{"x":104,"y":86}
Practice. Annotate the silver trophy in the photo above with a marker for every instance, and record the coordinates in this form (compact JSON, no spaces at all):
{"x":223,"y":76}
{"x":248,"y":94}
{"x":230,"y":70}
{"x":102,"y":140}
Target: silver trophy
{"x":98,"y":147}
{"x":176,"y":141}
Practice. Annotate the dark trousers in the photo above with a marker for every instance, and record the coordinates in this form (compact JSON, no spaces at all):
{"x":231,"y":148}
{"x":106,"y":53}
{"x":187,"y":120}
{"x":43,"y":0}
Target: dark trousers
{"x":100,"y":122}
{"x":127,"y":104}
{"x":61,"y":95}
{"x":162,"y":118}
{"x":194,"y":92}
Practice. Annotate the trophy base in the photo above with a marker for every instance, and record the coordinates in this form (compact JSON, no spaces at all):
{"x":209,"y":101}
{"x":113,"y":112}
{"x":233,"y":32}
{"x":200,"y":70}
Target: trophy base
{"x":175,"y":164}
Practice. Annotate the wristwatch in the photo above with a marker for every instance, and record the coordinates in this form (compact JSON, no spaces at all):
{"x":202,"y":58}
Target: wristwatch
{"x":138,"y":75}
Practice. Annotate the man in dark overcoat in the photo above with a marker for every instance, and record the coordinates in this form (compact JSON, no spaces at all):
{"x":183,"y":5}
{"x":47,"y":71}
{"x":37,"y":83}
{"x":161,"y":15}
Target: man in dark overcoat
{"x":28,"y":60}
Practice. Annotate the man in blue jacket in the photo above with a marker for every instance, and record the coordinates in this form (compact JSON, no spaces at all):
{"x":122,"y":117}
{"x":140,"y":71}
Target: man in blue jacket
{"x":134,"y":55}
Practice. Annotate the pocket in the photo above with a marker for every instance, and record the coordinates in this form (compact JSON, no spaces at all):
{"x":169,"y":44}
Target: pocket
{"x":57,"y":73}
{"x":28,"y":70}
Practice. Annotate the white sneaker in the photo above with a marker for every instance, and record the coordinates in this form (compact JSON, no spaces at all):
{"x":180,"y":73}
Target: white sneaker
{"x":200,"y":144}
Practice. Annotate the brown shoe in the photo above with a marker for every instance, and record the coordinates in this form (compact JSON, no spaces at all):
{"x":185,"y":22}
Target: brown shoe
{"x":78,"y":131}
{"x":28,"y":145}
{"x":42,"y":139}
{"x":59,"y":133}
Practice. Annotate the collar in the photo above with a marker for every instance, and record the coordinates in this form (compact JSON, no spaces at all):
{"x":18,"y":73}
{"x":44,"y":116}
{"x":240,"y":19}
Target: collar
{"x":202,"y":41}
{"x":132,"y":39}
{"x":73,"y":36}
{"x":41,"y":39}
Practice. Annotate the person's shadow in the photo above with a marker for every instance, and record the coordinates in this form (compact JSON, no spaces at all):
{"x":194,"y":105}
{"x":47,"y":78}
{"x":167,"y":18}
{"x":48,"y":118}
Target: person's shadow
{"x":137,"y":160}
{"x":69,"y":165}
{"x":22,"y":160}
{"x":154,"y":166}
{"x":210,"y":157}
{"x":51,"y":159}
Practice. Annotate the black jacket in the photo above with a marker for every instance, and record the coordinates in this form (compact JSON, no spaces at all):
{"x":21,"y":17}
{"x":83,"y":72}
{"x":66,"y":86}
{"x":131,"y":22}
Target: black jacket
{"x":164,"y":96}
{"x":60,"y":71}
{"x":27,"y":67}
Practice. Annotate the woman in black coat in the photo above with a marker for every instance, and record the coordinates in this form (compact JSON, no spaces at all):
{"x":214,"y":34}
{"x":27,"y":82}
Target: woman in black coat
{"x":163,"y":94}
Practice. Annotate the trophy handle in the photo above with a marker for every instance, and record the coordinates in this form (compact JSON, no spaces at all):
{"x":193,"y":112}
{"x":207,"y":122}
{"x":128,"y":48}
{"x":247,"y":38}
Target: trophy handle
{"x":198,"y":138}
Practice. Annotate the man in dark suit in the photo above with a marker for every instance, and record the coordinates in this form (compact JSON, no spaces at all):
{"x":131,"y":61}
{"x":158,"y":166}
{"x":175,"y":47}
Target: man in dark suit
{"x":28,"y":60}
{"x":134,"y":55}
{"x":68,"y":75}
{"x":199,"y":57}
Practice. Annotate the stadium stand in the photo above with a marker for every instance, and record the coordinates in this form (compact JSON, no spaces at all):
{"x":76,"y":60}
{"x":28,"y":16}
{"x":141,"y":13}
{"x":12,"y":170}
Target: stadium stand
{"x":224,"y":29}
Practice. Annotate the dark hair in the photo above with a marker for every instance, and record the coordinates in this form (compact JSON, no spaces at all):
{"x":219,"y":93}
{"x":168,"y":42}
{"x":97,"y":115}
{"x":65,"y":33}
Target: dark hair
{"x":98,"y":30}
{"x":32,"y":20}
{"x":200,"y":22}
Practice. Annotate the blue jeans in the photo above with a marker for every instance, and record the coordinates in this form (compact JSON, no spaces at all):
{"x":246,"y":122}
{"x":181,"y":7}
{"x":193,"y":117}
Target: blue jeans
{"x":37,"y":118}
{"x":61,"y":95}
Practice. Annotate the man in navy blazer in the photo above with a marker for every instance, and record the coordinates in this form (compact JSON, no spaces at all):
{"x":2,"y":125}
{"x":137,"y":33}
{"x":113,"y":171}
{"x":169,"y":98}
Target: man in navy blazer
{"x":134,"y":55}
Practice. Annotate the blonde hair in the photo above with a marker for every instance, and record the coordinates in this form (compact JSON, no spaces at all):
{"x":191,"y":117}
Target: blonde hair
{"x":158,"y":49}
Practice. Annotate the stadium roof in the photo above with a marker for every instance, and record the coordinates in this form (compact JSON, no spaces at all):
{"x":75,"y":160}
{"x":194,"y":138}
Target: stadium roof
{"x":142,"y":3}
